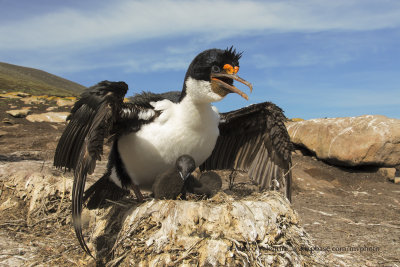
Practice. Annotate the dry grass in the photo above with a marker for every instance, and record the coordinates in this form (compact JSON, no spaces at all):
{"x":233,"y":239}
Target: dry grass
{"x":35,"y":82}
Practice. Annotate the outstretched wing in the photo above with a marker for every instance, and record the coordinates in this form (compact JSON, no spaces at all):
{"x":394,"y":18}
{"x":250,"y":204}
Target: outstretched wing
{"x":100,"y":113}
{"x":91,"y":121}
{"x":254,"y":139}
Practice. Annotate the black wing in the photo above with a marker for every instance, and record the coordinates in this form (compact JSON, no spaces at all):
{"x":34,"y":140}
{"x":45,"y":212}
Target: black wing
{"x":254,"y":139}
{"x":100,"y":113}
{"x":81,"y":145}
{"x":97,"y":115}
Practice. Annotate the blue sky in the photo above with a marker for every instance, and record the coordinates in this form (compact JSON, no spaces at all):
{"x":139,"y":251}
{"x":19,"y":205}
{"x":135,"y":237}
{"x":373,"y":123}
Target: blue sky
{"x":313,"y":58}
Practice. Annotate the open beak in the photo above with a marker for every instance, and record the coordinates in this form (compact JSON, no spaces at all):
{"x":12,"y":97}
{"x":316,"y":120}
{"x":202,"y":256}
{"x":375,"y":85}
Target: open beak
{"x":215,"y":77}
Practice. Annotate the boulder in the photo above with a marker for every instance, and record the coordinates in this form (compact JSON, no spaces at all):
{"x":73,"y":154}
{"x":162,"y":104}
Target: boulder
{"x":51,"y":108}
{"x":33,"y":100}
{"x":65,"y":102}
{"x":9,"y":96}
{"x":351,"y":141}
{"x":48,"y":117}
{"x":19,"y":113}
{"x":20,"y":94}
{"x":388,"y":172}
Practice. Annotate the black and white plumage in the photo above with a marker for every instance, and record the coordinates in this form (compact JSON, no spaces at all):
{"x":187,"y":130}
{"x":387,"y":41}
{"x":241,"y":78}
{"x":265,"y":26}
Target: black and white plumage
{"x":153,"y":130}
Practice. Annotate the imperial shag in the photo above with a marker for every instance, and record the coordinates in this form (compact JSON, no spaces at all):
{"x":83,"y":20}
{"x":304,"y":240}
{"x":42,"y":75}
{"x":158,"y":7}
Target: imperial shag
{"x":153,"y":130}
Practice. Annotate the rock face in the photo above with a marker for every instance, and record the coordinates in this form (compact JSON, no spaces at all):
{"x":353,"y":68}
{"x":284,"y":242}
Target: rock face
{"x":350,"y":141}
{"x":48,"y":117}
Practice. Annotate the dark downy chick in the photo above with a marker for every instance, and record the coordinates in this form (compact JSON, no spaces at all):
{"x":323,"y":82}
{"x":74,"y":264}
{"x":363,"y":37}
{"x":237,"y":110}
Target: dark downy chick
{"x":207,"y":185}
{"x":170,"y":184}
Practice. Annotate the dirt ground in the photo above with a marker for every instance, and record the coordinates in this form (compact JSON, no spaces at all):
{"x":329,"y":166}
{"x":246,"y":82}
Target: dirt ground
{"x":351,"y":213}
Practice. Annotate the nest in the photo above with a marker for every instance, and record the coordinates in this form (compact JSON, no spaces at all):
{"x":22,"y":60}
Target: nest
{"x":35,"y":216}
{"x":260,"y":229}
{"x":257,"y":230}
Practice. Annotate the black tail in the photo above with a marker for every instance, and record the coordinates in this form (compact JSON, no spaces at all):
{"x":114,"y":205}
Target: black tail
{"x":101,"y":191}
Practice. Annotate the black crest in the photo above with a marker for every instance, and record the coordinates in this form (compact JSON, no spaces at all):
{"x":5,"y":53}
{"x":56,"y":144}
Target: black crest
{"x":200,"y":68}
{"x":230,"y":54}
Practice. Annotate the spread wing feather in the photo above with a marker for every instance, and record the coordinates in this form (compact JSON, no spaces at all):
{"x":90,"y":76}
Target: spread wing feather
{"x":87,"y":118}
{"x":254,"y":139}
{"x":81,"y":145}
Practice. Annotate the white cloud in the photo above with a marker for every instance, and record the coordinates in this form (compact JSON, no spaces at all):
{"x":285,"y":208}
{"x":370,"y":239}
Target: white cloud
{"x":127,"y":21}
{"x":126,"y":61}
{"x":301,"y":59}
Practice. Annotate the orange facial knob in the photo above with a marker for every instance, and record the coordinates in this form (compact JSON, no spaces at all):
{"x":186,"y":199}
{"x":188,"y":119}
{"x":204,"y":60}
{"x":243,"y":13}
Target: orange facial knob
{"x":236,"y":69}
{"x":228,"y":68}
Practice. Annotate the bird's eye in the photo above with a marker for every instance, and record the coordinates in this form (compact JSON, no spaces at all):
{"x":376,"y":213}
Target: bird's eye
{"x":215,"y":69}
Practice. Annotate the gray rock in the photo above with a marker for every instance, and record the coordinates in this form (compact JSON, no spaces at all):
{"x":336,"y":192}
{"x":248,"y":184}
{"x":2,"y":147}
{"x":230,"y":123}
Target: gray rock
{"x":33,"y":100}
{"x":19,"y":113}
{"x":48,"y":117}
{"x":51,"y":108}
{"x":351,"y":141}
{"x":65,"y":102}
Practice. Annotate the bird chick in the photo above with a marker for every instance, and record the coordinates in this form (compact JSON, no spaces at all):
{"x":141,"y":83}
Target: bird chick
{"x":170,"y":184}
{"x":207,"y":185}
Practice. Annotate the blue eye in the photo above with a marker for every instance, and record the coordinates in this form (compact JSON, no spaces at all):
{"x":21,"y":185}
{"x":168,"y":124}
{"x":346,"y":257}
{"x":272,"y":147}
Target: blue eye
{"x":215,"y":69}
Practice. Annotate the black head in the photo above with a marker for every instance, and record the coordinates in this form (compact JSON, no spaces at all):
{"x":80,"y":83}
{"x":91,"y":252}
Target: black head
{"x":212,"y":72}
{"x":185,"y":165}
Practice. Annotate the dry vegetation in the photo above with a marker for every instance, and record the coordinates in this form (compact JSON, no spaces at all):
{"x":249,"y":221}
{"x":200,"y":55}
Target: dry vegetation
{"x":35,"y":82}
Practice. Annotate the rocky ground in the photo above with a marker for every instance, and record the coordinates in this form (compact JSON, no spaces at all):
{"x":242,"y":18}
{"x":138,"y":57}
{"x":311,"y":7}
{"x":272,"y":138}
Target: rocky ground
{"x":346,"y":209}
{"x":353,"y":214}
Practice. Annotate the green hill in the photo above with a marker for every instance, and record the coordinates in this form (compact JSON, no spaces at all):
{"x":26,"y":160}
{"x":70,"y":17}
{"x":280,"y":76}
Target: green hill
{"x":35,"y":82}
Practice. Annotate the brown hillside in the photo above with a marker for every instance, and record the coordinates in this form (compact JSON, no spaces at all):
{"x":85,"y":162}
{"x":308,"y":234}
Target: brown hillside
{"x":36,"y":82}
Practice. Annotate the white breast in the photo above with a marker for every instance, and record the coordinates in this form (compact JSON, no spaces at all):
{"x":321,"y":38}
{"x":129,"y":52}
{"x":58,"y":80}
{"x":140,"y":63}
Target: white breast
{"x":183,"y":128}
